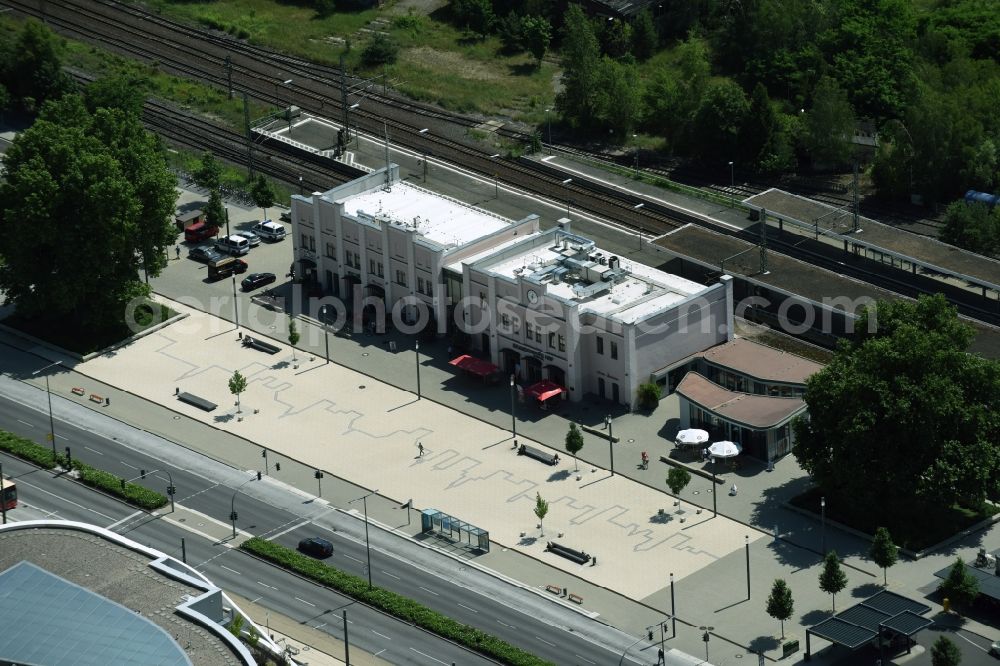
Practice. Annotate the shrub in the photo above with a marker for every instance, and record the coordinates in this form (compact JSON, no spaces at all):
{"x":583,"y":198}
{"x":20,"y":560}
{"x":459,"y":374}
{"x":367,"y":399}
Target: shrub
{"x":649,"y":395}
{"x":402,"y":607}
{"x":381,"y":50}
{"x":27,"y":450}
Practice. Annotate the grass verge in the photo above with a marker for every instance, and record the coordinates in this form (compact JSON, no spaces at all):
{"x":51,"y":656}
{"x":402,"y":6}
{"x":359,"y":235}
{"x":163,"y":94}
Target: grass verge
{"x":24,"y":448}
{"x":397,"y":605}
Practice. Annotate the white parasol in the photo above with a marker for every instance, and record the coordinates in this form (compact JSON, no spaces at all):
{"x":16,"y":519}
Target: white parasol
{"x":724,"y":449}
{"x":691,"y":437}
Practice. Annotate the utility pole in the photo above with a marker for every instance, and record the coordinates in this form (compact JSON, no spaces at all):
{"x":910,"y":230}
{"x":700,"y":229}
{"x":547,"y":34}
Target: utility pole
{"x":246,"y":124}
{"x":229,"y":74}
{"x":856,"y":211}
{"x":347,"y":643}
{"x":763,"y":240}
{"x":388,"y":175}
{"x":343,"y":100}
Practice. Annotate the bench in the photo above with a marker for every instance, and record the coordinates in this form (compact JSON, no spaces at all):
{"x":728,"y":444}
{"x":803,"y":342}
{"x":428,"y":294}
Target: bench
{"x":194,"y":400}
{"x":554,"y":589}
{"x":78,"y":391}
{"x":576,"y":598}
{"x":538,"y":454}
{"x":573,"y":554}
{"x":260,"y":345}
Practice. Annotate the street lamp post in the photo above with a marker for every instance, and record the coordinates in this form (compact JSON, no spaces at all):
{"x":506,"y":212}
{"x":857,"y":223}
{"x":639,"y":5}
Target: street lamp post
{"x":732,"y":184}
{"x":548,"y":122}
{"x":496,"y":178}
{"x":232,"y":503}
{"x":635,"y":138}
{"x":48,"y":394}
{"x":319,"y":483}
{"x":263,"y":454}
{"x":822,"y":529}
{"x":611,"y":442}
{"x":424,"y":131}
{"x":567,"y":182}
{"x":326,"y":330}
{"x":715,"y":491}
{"x":746,"y":543}
{"x":673,"y":610}
{"x":3,"y":500}
{"x":513,"y":418}
{"x":416,"y":350}
{"x":368,"y":549}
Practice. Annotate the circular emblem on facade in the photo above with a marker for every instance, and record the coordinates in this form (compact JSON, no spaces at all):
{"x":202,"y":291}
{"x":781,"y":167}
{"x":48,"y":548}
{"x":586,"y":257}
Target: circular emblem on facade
{"x":532,"y":296}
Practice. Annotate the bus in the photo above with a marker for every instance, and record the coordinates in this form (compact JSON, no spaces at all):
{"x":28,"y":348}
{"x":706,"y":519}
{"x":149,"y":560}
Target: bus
{"x":9,"y":495}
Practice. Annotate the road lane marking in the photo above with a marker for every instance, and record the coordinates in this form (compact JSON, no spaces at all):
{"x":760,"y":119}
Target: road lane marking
{"x":63,"y":499}
{"x":379,"y":652}
{"x":232,"y":570}
{"x":256,"y":600}
{"x":585,"y":659}
{"x":93,"y":450}
{"x":355,"y":559}
{"x":123,"y":520}
{"x":467,"y":608}
{"x":290,"y":529}
{"x":431,"y":591}
{"x":161,"y":478}
{"x":320,"y":626}
{"x":509,"y":626}
{"x":973,"y":643}
{"x":266,"y":585}
{"x":382,"y":635}
{"x":30,"y":425}
{"x":545,"y":641}
{"x":127,"y":465}
{"x":390,"y":575}
{"x":203,"y":490}
{"x":307,"y":603}
{"x":428,"y":656}
{"x":58,"y":436}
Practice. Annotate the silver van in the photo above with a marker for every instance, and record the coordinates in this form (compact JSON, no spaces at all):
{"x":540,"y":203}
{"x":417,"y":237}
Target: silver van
{"x":269,"y":230}
{"x":234,"y":245}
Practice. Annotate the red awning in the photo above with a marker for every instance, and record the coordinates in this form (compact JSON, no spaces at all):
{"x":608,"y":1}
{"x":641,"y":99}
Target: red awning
{"x":474,"y":365}
{"x":544,"y":390}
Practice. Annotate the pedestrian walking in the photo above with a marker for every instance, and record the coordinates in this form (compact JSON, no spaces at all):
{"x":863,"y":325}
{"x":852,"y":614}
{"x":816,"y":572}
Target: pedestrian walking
{"x":420,"y":448}
{"x":659,"y":658}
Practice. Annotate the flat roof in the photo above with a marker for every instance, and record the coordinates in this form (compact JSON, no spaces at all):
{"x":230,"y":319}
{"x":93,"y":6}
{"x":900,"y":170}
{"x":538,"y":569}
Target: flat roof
{"x":756,"y":411}
{"x":855,"y":626}
{"x":762,"y":362}
{"x":441,"y":220}
{"x":121,"y":576}
{"x":880,"y":236}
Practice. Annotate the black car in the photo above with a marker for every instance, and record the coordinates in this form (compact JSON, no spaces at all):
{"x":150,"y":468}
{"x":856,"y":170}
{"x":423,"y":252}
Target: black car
{"x":316,"y":547}
{"x":205,"y":254}
{"x":255,"y":280}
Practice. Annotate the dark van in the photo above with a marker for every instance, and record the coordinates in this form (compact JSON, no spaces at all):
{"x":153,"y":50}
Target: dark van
{"x":316,"y":547}
{"x":225,"y":267}
{"x":200,"y":231}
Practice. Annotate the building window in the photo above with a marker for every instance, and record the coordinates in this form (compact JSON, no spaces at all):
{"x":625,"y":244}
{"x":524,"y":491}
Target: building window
{"x":305,"y":241}
{"x":420,"y":285}
{"x":614,"y":349}
{"x":528,"y":330}
{"x":600,"y":345}
{"x":517,"y":324}
{"x":331,"y":250}
{"x":505,"y":321}
{"x":401,"y":278}
{"x":562,"y":343}
{"x":552,"y":339}
{"x":380,"y":271}
{"x":371,"y":266}
{"x":538,"y":334}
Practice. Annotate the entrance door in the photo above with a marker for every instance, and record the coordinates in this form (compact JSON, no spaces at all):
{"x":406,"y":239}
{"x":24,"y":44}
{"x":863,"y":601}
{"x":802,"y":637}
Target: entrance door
{"x":486,"y":344}
{"x":614,"y":392}
{"x":600,"y":386}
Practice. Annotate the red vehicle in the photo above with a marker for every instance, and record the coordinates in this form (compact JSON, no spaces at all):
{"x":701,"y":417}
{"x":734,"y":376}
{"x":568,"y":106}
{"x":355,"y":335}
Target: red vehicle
{"x":9,"y":494}
{"x":200,"y":231}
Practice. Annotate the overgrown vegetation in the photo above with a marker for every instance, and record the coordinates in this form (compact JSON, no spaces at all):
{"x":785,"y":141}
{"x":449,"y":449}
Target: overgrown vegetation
{"x":402,"y":607}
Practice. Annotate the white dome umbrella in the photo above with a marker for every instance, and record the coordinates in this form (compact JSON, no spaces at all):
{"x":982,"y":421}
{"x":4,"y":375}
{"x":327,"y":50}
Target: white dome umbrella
{"x":725,"y":449}
{"x":691,"y":437}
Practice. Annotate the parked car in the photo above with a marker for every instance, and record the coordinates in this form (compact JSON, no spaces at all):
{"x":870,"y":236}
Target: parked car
{"x":250,"y":236}
{"x":255,"y":280}
{"x":204,"y":254}
{"x":316,"y":547}
{"x":234,"y":245}
{"x":286,"y":217}
{"x":200,"y":231}
{"x":269,"y":230}
{"x":995,"y":649}
{"x":225,"y":267}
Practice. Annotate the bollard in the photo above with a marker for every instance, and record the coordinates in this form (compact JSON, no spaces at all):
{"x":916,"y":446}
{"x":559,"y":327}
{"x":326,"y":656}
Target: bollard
{"x":107,"y":401}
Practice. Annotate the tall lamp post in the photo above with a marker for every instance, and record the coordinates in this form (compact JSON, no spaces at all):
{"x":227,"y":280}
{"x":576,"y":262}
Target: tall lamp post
{"x":496,"y":178}
{"x":822,"y":523}
{"x":326,"y":330}
{"x":368,"y":549}
{"x":513,"y":418}
{"x":48,"y":394}
{"x":673,"y":610}
{"x":732,"y":184}
{"x":416,"y":350}
{"x":746,"y":543}
{"x":715,"y":491}
{"x":232,"y":503}
{"x":3,"y":500}
{"x":611,"y":442}
{"x":424,"y":131}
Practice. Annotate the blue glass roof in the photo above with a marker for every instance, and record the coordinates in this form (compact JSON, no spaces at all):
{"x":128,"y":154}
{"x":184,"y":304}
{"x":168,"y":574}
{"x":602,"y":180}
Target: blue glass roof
{"x":58,"y":622}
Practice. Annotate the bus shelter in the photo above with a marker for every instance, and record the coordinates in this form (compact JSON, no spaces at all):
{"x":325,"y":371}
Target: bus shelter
{"x":437,"y":522}
{"x":886,"y":615}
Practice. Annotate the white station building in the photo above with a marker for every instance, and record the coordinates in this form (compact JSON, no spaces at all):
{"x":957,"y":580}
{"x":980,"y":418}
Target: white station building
{"x":540,"y":305}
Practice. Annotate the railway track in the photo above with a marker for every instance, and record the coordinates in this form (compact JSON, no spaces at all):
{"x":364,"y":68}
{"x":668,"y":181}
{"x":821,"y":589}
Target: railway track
{"x":200,"y":54}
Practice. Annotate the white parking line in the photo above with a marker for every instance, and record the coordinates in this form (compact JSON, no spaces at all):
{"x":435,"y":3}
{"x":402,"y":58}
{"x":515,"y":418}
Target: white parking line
{"x":123,"y":520}
{"x":306,"y":602}
{"x":428,"y":656}
{"x":431,"y":591}
{"x":467,"y":608}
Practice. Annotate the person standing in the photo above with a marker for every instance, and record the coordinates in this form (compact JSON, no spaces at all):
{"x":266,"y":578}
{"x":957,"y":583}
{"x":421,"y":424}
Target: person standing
{"x":420,"y":449}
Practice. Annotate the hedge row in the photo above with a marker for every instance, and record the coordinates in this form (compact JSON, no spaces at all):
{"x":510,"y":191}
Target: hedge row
{"x":26,"y":449}
{"x":392,"y":603}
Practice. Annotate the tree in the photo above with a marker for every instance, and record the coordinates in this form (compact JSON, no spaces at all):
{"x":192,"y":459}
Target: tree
{"x":960,"y":586}
{"x":649,"y":395}
{"x":832,"y":579}
{"x":541,"y":510}
{"x":618,"y":101}
{"x":208,"y":174}
{"x":293,"y":336}
{"x":91,"y":195}
{"x":4,"y":100}
{"x":715,"y":129}
{"x":581,"y":59}
{"x":215,"y":212}
{"x":237,"y":385}
{"x":974,"y":226}
{"x":536,"y":34}
{"x":325,"y":8}
{"x":126,"y":91}
{"x":905,"y":376}
{"x":883,"y":552}
{"x":476,"y":15}
{"x":263,"y":193}
{"x":616,"y":38}
{"x":945,"y":653}
{"x":677,"y":480}
{"x":644,"y":37}
{"x":780,"y":605}
{"x":574,"y":442}
{"x":380,"y":50}
{"x":510,"y":30}
{"x":758,"y":134}
{"x":33,"y":71}
{"x":829,"y":124}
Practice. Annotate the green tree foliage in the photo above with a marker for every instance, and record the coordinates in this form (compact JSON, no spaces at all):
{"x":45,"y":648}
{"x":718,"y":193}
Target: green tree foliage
{"x":945,"y":653}
{"x":215,"y":211}
{"x":262,"y":193}
{"x":126,"y":91}
{"x":474,"y":15}
{"x":677,"y":480}
{"x":536,"y":35}
{"x":960,"y":586}
{"x":644,"y":38}
{"x":973,"y":226}
{"x":581,"y":63}
{"x":616,"y":38}
{"x":86,"y":203}
{"x":32,"y":70}
{"x":829,"y":124}
{"x":510,"y":30}
{"x":618,"y":99}
{"x":209,"y":172}
{"x":672,"y":96}
{"x":759,"y":134}
{"x":541,"y":510}
{"x":883,"y":552}
{"x":832,"y":579}
{"x":325,"y":8}
{"x":649,"y":395}
{"x":574,"y":442}
{"x":237,"y":385}
{"x":293,"y":336}
{"x":715,"y":128}
{"x":380,"y":50}
{"x":4,"y":100}
{"x":780,"y":605}
{"x":903,"y":405}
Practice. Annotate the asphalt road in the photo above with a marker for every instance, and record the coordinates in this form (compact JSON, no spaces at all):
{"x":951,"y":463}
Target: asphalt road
{"x":233,"y":570}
